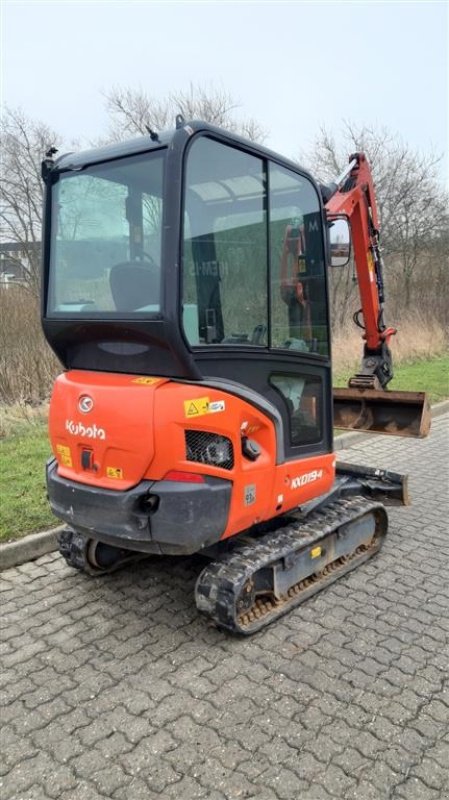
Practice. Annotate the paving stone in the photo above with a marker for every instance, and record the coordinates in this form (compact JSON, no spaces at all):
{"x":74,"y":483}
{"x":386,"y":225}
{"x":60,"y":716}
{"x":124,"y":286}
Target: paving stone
{"x":364,"y":791}
{"x":109,"y":780}
{"x":216,"y":778}
{"x":136,"y":789}
{"x":415,"y":789}
{"x":82,"y":791}
{"x":431,"y":773}
{"x":14,"y":749}
{"x":118,"y":689}
{"x":55,"y":740}
{"x":284,"y":783}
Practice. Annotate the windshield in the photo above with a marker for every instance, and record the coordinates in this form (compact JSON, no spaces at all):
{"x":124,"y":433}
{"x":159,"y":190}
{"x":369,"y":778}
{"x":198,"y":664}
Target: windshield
{"x":106,"y":225}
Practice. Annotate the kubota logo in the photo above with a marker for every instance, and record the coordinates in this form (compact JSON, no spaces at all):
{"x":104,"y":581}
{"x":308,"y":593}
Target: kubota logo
{"x":85,"y":403}
{"x":90,"y":432}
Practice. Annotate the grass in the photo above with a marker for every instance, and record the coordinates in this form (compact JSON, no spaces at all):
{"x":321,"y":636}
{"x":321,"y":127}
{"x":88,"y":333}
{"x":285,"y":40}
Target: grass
{"x":25,"y":449}
{"x":430,"y":375}
{"x":24,"y":507}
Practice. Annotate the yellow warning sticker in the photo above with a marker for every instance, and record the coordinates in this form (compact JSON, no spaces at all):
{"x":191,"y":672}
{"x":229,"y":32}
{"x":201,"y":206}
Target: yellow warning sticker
{"x":114,"y":472}
{"x":65,"y":455}
{"x":316,"y":552}
{"x":197,"y":407}
{"x":145,"y":381}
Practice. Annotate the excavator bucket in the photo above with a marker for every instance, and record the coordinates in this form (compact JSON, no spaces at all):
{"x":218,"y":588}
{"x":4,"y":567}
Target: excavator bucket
{"x":381,"y":411}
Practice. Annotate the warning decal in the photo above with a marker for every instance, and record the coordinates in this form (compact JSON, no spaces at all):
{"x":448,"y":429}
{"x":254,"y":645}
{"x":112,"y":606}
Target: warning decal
{"x":197,"y":407}
{"x":65,"y":455}
{"x":146,"y":381}
{"x":114,"y":472}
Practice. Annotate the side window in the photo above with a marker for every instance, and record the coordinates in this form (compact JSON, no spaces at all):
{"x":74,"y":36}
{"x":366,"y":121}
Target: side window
{"x":225,"y":258}
{"x":302,"y":395}
{"x":298,"y":286}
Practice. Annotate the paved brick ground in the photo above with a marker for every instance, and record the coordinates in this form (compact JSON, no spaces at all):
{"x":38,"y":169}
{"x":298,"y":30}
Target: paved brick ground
{"x":116,"y":688}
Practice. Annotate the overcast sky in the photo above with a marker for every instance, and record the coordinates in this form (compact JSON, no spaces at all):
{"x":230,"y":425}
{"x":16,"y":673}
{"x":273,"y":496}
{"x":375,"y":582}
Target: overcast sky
{"x":291,"y":65}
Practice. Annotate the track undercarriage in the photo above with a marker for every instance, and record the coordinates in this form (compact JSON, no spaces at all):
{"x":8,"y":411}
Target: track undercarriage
{"x":257,"y":577}
{"x":263,"y":580}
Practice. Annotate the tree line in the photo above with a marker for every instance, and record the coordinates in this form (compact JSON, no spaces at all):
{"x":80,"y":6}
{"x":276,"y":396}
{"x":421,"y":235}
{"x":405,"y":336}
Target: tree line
{"x":412,"y":203}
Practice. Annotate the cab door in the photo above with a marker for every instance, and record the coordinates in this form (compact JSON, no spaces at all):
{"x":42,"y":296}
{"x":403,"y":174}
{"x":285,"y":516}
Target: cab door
{"x":254,"y":284}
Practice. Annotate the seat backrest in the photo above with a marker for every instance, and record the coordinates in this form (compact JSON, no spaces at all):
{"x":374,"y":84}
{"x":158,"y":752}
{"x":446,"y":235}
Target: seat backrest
{"x":134,"y":285}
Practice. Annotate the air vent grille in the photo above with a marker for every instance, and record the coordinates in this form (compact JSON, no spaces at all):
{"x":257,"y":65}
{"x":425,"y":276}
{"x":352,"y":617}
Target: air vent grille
{"x":209,"y":448}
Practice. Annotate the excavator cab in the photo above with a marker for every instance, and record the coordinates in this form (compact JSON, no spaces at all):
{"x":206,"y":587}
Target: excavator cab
{"x":198,"y":258}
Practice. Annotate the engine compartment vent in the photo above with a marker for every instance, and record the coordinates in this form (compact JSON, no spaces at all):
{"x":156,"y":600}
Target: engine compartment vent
{"x":209,"y":448}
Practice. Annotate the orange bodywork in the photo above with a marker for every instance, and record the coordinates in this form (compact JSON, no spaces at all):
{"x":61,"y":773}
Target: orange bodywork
{"x":112,"y":431}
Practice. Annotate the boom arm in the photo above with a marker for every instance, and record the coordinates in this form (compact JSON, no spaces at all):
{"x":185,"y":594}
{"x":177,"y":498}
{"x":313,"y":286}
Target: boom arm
{"x":365,"y":405}
{"x":353,"y":196}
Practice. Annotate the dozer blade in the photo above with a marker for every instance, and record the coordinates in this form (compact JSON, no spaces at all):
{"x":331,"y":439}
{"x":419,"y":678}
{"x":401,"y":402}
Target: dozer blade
{"x":381,"y":411}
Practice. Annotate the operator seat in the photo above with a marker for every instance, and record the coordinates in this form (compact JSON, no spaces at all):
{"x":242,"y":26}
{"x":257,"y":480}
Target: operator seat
{"x":134,"y":284}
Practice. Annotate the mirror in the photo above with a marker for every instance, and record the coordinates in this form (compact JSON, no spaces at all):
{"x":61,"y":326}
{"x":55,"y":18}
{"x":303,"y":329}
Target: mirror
{"x":340,"y":241}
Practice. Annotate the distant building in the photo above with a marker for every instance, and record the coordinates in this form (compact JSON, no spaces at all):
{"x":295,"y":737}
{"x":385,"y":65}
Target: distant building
{"x":15,"y":262}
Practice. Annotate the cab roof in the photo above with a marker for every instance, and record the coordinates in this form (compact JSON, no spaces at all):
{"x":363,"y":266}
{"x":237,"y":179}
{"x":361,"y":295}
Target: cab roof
{"x":173,"y":137}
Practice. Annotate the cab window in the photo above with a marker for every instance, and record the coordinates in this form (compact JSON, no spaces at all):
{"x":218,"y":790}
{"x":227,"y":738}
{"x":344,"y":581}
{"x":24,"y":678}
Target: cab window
{"x":225,"y":253}
{"x":253,"y":256}
{"x":298,"y":286}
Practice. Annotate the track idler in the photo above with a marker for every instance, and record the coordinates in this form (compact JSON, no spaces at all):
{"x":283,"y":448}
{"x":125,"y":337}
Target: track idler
{"x":91,"y":556}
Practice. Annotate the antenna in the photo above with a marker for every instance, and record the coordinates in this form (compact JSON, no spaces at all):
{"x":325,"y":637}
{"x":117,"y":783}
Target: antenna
{"x":153,"y":135}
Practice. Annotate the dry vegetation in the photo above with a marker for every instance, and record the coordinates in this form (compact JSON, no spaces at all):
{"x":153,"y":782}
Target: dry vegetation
{"x":28,"y":366}
{"x":417,"y":338}
{"x":15,"y":416}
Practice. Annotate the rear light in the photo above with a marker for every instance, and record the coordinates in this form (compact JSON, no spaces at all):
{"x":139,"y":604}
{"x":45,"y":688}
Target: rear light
{"x":183,"y":477}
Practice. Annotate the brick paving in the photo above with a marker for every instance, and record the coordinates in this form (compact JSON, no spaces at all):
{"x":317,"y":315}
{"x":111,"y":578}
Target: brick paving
{"x":116,"y":688}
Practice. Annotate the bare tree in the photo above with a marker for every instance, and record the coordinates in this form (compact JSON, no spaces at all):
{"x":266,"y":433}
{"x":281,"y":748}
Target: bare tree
{"x":133,"y":111}
{"x":23,"y":143}
{"x":412,"y":203}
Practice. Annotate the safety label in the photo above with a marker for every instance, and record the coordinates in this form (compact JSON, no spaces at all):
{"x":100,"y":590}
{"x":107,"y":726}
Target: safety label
{"x":114,"y":472}
{"x":145,"y":381}
{"x":197,"y":407}
{"x":65,"y":455}
{"x":202,"y":405}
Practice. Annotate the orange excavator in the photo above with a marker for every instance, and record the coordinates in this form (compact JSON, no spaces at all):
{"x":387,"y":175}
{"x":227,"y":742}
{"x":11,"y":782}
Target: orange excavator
{"x":185,"y":291}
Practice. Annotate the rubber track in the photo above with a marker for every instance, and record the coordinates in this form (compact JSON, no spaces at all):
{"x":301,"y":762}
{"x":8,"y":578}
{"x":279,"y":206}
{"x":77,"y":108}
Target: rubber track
{"x":221,"y":583}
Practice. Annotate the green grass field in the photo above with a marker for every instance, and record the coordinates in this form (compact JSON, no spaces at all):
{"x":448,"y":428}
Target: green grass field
{"x":23,"y":506}
{"x":23,"y":453}
{"x":430,"y":376}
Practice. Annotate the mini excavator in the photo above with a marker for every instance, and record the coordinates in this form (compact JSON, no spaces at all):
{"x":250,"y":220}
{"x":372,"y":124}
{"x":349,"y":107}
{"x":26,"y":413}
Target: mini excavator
{"x":185,"y":291}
